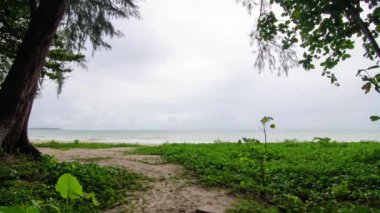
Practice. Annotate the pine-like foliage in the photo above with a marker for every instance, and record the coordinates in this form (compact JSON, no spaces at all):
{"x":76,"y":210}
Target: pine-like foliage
{"x":85,"y":21}
{"x":91,"y":20}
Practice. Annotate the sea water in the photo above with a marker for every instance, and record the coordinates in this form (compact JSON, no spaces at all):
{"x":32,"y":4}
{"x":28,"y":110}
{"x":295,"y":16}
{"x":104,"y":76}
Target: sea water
{"x":158,"y":137}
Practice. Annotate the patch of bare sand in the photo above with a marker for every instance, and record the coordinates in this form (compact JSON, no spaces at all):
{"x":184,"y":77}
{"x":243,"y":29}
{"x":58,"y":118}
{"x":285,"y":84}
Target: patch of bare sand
{"x":172,"y":190}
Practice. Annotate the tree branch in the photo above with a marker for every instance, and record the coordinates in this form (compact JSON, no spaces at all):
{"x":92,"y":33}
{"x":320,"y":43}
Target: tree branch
{"x":355,"y":17}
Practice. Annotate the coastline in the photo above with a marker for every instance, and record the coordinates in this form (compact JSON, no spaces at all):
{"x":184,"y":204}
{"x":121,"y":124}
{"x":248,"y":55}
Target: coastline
{"x":156,"y":137}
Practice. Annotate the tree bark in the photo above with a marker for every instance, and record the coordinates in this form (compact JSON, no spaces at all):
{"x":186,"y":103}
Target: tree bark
{"x":20,"y":86}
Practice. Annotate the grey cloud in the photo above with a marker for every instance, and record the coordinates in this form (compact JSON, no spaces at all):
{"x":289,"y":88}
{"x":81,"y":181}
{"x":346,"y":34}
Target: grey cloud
{"x":188,"y":65}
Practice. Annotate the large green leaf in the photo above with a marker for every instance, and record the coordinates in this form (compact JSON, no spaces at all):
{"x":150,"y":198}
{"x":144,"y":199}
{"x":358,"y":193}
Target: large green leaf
{"x":32,"y":209}
{"x":69,"y":187}
{"x":19,"y":209}
{"x":12,"y":209}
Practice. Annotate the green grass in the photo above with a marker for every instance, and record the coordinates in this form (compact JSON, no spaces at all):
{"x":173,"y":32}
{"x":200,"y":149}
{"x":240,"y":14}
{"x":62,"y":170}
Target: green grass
{"x":299,"y":177}
{"x":91,"y":159}
{"x":24,"y":179}
{"x":87,"y":145}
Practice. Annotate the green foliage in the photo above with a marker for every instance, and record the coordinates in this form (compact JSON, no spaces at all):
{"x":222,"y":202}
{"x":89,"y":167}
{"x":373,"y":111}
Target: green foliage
{"x":18,"y":209}
{"x":14,"y":17}
{"x":301,"y":176}
{"x":249,"y":140}
{"x":326,"y":30}
{"x":76,"y":144}
{"x":370,"y":81}
{"x":91,"y":21}
{"x":34,"y":208}
{"x":14,"y":20}
{"x":322,"y":140}
{"x":265,"y":120}
{"x":375,"y":118}
{"x":69,"y":187}
{"x":24,"y":179}
{"x":252,"y":206}
{"x":84,"y":21}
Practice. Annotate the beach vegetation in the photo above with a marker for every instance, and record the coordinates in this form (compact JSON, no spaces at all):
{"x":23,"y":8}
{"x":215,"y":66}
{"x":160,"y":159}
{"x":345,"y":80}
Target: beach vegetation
{"x":248,"y":140}
{"x":86,"y":145}
{"x":63,"y":185}
{"x":300,"y":176}
{"x":322,"y":140}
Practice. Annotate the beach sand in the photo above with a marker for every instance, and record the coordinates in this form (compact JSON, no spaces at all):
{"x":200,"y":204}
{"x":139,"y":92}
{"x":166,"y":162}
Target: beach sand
{"x":171,"y":189}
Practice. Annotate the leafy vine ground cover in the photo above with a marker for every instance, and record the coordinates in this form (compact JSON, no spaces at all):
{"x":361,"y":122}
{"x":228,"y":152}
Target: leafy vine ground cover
{"x":77,"y":144}
{"x":24,"y":180}
{"x":318,"y":177}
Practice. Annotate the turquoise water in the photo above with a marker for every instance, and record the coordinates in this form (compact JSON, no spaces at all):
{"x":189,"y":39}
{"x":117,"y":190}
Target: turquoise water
{"x":157,"y":137}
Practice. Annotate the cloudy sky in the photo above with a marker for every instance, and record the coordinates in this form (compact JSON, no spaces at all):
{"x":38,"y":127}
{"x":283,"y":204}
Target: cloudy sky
{"x":188,"y":65}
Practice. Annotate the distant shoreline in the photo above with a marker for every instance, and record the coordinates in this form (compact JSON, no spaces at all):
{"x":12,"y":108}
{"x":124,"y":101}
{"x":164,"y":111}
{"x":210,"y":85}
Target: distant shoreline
{"x":159,"y":137}
{"x":44,"y":128}
{"x":181,"y":142}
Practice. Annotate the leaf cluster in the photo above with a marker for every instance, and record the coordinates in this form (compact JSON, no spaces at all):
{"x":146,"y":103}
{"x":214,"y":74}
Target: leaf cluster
{"x":326,"y":30}
{"x":87,"y":145}
{"x":14,"y":21}
{"x":84,"y":21}
{"x":24,"y":179}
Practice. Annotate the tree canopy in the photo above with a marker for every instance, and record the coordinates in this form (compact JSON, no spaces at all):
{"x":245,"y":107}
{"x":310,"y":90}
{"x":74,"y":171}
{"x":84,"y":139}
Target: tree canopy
{"x":84,"y":21}
{"x":40,"y":39}
{"x":326,"y":30}
{"x":14,"y":21}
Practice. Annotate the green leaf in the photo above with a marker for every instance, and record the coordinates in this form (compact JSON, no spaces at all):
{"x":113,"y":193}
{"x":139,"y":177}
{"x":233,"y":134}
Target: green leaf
{"x":69,"y":187}
{"x":376,"y":12}
{"x":12,"y":209}
{"x":374,"y":118}
{"x":377,"y":77}
{"x":32,"y":209}
{"x":35,"y":208}
{"x":266,"y":119}
{"x":345,"y":56}
{"x":272,"y":126}
{"x":378,"y":28}
{"x":92,"y":197}
{"x":296,"y":14}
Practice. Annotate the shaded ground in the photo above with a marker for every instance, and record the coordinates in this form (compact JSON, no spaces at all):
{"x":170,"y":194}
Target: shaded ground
{"x":171,"y":188}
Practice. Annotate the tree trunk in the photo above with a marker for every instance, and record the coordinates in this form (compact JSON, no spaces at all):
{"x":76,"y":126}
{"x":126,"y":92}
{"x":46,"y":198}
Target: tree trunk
{"x":20,"y":86}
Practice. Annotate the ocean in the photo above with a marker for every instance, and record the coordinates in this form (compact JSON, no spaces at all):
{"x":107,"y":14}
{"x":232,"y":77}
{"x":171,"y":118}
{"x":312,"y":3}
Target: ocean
{"x":158,"y":137}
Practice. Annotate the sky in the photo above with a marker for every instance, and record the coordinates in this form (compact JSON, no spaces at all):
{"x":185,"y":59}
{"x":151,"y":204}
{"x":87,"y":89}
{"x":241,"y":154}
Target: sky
{"x":188,"y":65}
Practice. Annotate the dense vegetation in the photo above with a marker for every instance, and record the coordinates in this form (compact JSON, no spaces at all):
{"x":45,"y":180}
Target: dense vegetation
{"x":320,"y":177}
{"x":326,"y":31}
{"x":24,"y":180}
{"x":77,"y":144}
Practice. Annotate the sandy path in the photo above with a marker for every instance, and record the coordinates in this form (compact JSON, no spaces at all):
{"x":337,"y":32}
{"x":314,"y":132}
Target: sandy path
{"x":172,"y":190}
